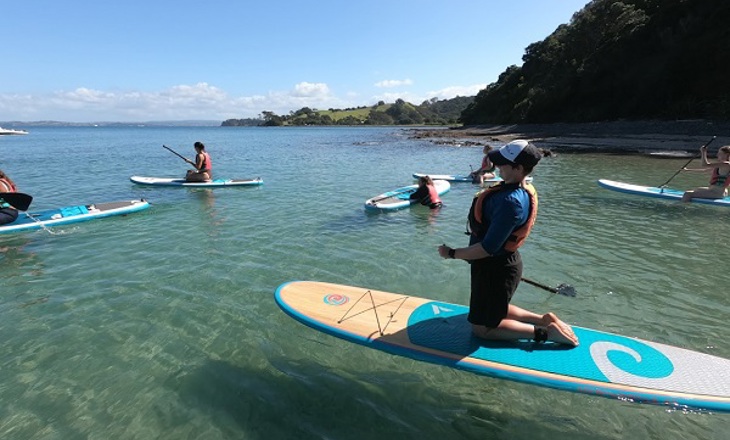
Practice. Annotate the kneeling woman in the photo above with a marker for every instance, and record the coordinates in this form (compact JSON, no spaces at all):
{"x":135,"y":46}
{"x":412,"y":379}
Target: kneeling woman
{"x":202,"y":164}
{"x":426,"y":193}
{"x":8,"y":214}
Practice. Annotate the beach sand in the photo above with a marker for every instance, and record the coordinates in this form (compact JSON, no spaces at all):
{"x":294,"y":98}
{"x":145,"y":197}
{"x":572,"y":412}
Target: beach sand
{"x":668,"y":138}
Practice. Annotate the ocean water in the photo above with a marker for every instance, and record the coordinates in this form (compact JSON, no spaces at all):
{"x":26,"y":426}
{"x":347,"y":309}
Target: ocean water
{"x":162,"y":324}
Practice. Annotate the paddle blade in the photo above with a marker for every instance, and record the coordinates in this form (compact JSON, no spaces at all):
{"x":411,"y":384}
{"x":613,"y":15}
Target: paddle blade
{"x":19,"y":201}
{"x":565,"y":290}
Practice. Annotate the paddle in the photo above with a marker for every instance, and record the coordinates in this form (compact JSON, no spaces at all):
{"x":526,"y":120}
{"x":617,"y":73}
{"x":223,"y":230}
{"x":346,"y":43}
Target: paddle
{"x":685,"y":166}
{"x":19,"y":201}
{"x":562,"y":289}
{"x":176,"y":153}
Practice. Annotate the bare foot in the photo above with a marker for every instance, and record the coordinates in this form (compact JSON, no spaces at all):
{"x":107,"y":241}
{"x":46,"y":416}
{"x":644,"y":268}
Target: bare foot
{"x":557,"y":334}
{"x":558,"y":331}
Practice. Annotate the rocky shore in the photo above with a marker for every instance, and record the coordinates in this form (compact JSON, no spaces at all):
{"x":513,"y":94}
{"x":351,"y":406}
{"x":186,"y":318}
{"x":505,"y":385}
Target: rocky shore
{"x":672,"y":138}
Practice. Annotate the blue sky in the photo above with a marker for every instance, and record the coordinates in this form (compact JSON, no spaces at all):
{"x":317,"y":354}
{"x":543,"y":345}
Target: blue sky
{"x":86,"y":61}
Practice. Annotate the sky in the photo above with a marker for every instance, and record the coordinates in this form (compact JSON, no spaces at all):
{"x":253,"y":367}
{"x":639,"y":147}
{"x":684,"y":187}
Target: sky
{"x":160,"y":60}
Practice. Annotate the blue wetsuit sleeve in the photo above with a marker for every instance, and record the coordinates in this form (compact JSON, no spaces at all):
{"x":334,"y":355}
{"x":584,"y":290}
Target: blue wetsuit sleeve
{"x":506,"y":217}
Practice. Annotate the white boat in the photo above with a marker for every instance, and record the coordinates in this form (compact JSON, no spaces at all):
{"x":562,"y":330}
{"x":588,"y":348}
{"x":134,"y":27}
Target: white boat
{"x":9,"y":131}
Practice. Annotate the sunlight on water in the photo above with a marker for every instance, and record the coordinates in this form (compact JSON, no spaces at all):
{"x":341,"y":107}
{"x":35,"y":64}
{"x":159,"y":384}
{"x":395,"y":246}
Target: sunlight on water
{"x":162,"y":324}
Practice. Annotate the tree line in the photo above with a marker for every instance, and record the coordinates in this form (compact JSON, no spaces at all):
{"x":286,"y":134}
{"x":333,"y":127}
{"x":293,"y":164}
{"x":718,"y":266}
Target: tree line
{"x":430,"y":112}
{"x":629,"y":59}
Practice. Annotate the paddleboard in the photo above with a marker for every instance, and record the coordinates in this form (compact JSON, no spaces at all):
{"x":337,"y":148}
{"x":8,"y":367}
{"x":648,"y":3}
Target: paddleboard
{"x":398,"y":198}
{"x":604,"y":364}
{"x":460,"y":178}
{"x":656,"y":192}
{"x":167,"y":181}
{"x":72,"y":214}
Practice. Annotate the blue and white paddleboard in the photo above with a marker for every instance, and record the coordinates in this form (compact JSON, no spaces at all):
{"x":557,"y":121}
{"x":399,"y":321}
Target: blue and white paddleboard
{"x":399,"y":198}
{"x":460,"y":178}
{"x":167,"y":181}
{"x":604,"y":364}
{"x":447,"y":177}
{"x":656,"y":192}
{"x":72,"y":214}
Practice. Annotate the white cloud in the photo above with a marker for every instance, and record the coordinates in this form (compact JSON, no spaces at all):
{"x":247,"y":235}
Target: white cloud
{"x":311,"y":90}
{"x":197,"y":101}
{"x":390,"y":83}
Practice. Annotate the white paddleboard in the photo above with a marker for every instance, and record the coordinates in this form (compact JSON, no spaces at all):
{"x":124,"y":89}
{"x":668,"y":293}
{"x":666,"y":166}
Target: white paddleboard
{"x":656,"y":192}
{"x":167,"y":181}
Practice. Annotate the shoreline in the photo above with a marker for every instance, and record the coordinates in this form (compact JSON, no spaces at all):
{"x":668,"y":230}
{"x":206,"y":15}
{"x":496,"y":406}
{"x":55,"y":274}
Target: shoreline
{"x":675,"y":138}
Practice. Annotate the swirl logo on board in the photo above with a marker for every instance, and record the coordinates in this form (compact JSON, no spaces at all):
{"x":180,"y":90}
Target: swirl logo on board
{"x":336,"y":299}
{"x":638,"y":364}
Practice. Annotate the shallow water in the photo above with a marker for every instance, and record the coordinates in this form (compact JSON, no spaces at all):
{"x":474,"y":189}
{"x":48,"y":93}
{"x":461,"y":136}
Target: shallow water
{"x":162,"y":324}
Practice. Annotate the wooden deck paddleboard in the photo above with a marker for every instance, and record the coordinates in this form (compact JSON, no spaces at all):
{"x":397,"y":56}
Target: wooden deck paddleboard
{"x":604,"y":364}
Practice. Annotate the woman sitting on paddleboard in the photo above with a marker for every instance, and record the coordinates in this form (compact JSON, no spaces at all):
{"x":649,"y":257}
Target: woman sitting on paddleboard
{"x":486,"y":171}
{"x":8,"y":214}
{"x":426,"y":193}
{"x":720,"y":179}
{"x":202,"y":164}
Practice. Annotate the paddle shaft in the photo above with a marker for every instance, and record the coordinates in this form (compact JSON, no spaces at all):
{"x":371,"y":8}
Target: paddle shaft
{"x":542,"y":286}
{"x":685,"y":165}
{"x":176,"y":153}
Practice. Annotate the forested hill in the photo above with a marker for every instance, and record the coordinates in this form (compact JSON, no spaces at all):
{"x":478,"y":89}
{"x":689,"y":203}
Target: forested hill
{"x":630,"y":59}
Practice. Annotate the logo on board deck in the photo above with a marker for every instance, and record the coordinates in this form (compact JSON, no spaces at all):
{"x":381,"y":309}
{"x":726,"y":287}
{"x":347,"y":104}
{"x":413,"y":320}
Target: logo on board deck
{"x":336,"y":299}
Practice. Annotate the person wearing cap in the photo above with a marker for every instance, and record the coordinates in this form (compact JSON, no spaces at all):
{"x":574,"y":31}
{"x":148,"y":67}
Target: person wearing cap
{"x":500,"y":219}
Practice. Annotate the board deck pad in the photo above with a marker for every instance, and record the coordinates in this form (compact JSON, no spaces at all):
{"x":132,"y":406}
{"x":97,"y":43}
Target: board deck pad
{"x":169,"y":181}
{"x":604,"y":364}
{"x":657,"y":192}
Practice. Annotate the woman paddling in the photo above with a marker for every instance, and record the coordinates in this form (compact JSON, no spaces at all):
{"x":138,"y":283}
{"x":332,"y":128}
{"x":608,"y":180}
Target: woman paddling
{"x":202,"y":164}
{"x":720,"y":179}
{"x":8,"y":213}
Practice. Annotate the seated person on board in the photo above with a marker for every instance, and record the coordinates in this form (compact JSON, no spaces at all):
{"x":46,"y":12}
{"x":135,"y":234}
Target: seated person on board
{"x":8,"y":213}
{"x":719,"y":180}
{"x":486,"y":171}
{"x":203,"y":165}
{"x":426,"y":193}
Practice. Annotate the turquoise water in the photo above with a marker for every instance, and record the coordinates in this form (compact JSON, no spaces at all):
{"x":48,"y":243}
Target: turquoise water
{"x":162,"y":324}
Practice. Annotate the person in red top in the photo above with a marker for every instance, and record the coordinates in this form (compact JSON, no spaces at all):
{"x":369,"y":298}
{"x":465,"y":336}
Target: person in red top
{"x":486,"y":171}
{"x":426,"y":193}
{"x":203,"y":165}
{"x":8,"y":213}
{"x":720,"y":179}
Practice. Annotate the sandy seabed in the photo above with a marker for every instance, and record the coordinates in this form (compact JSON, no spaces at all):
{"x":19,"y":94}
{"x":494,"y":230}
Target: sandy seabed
{"x":670,"y":138}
